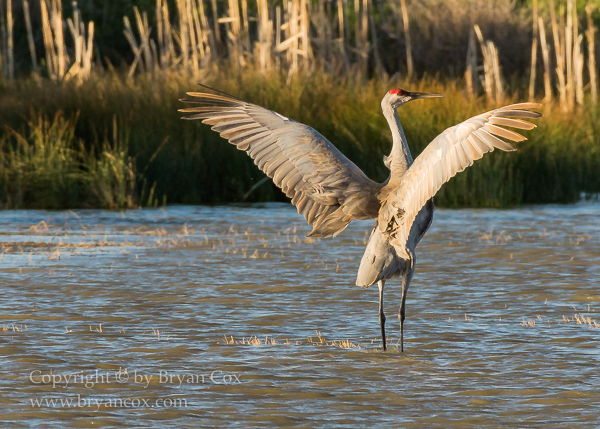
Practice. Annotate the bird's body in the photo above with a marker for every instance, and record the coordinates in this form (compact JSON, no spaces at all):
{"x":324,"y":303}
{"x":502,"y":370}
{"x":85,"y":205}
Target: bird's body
{"x":331,"y":191}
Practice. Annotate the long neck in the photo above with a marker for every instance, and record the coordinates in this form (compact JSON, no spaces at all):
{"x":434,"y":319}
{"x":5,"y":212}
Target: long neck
{"x":400,"y":156}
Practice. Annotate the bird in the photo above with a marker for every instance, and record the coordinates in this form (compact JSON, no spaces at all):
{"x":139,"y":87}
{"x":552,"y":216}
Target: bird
{"x":330,"y":191}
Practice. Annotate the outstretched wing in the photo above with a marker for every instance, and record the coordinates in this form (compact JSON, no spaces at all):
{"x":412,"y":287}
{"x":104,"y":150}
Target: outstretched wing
{"x":323,"y":184}
{"x":448,"y":154}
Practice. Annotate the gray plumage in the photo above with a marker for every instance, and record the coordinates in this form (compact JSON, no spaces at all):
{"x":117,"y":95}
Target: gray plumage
{"x":331,"y":191}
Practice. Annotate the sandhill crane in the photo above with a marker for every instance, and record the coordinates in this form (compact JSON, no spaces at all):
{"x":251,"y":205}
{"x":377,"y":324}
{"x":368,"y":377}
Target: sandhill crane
{"x":331,"y":191}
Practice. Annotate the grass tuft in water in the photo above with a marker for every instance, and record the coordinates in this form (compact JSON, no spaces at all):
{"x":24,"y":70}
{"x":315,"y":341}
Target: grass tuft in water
{"x":46,"y":166}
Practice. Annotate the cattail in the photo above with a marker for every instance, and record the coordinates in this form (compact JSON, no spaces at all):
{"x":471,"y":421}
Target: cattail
{"x":546,"y":58}
{"x":488,"y":63}
{"x":342,"y":28}
{"x":246,"y":27}
{"x":591,"y":54}
{"x":87,"y":60}
{"x":183,"y":33}
{"x":51,"y":61}
{"x":217,"y":32}
{"x":200,"y":34}
{"x":534,"y":45}
{"x":569,"y":54}
{"x":360,"y":29}
{"x":193,"y":34}
{"x":305,"y":24}
{"x":378,"y":65}
{"x":265,"y":38}
{"x":160,"y":30}
{"x":499,"y":91}
{"x":168,"y":33}
{"x":134,"y":45}
{"x":578,"y":70}
{"x":409,"y":59}
{"x":2,"y":37}
{"x":560,"y":56}
{"x":471,"y":73}
{"x":10,"y":43}
{"x":59,"y":40}
{"x":30,"y":35}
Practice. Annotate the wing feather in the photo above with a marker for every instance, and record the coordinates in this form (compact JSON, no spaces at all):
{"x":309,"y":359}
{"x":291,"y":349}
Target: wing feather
{"x":501,"y":132}
{"x":448,"y":154}
{"x":476,"y":152}
{"x":521,"y":114}
{"x":481,"y":147}
{"x":486,"y":147}
{"x":265,"y":155}
{"x":262,"y":144}
{"x":495,"y":141}
{"x":303,"y":203}
{"x":294,"y":181}
{"x":312,"y":213}
{"x":462,"y":156}
{"x":514,"y":123}
{"x":307,"y":167}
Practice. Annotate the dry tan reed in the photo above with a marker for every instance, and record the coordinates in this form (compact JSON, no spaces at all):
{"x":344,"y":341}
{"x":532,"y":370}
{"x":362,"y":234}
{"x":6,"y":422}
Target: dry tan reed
{"x":30,"y":39}
{"x":471,"y":77}
{"x":270,"y":341}
{"x":569,"y":55}
{"x":582,"y":319}
{"x":59,"y":65}
{"x":409,"y":60}
{"x":7,"y":62}
{"x":546,"y":59}
{"x":9,"y":41}
{"x":21,"y":328}
{"x":568,"y":40}
{"x":591,"y":31}
{"x":534,"y":46}
{"x":337,"y":34}
{"x":492,"y":79}
{"x":2,"y":38}
{"x":82,"y":65}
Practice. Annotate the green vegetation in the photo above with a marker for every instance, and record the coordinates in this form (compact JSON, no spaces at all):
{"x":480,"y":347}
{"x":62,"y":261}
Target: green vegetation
{"x":112,"y":143}
{"x":47,"y":167}
{"x":89,"y":117}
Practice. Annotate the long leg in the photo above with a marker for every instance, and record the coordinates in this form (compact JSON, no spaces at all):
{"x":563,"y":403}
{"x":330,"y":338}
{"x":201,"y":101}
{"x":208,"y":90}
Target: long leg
{"x":406,"y":278}
{"x":381,"y":284}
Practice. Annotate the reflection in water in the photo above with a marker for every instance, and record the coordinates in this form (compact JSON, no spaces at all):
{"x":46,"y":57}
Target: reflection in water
{"x":214,"y":315}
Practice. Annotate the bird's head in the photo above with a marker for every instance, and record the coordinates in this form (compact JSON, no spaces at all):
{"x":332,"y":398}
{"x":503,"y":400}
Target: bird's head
{"x":397,"y":97}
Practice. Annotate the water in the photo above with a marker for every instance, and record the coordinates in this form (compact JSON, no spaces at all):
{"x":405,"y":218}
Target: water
{"x":125,"y":303}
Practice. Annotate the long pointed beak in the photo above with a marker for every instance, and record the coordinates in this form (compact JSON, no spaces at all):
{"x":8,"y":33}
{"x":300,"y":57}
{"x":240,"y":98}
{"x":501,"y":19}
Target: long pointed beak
{"x":417,"y":95}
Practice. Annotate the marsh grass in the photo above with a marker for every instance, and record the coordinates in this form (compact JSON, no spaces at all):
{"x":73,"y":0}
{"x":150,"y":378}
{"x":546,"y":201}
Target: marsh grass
{"x":46,"y":166}
{"x":114,"y":142}
{"x":110,"y":136}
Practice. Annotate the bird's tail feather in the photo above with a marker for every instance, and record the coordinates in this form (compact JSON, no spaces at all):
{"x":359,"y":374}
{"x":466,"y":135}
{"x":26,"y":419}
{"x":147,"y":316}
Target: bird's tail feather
{"x":380,"y":260}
